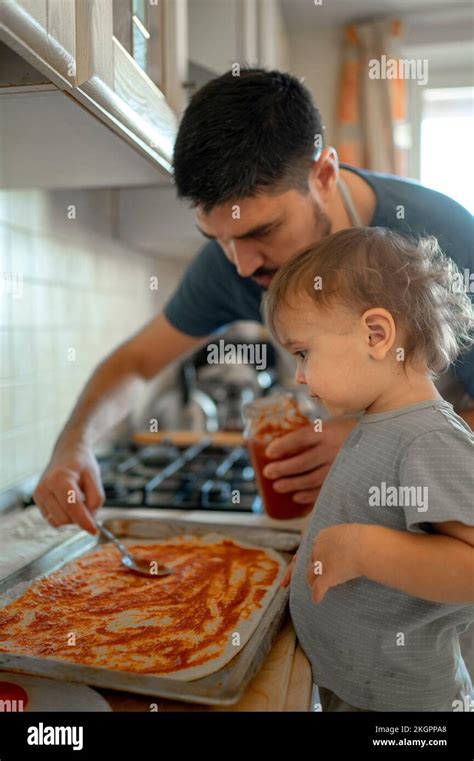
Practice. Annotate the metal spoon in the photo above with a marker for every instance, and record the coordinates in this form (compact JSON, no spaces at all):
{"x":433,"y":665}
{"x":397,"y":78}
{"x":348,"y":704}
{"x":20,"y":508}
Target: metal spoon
{"x":131,"y":561}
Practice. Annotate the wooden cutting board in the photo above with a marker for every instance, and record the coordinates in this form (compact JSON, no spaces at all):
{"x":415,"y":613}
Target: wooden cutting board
{"x":187,"y":438}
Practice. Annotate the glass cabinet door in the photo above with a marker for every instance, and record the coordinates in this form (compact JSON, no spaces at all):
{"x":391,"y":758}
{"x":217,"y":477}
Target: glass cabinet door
{"x":138,"y":27}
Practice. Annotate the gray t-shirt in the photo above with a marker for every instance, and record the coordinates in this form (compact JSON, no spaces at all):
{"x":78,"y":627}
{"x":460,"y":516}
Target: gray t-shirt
{"x":376,"y":647}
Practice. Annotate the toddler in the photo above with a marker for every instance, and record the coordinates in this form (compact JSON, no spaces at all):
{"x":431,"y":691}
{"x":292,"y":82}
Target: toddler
{"x":383,"y":582}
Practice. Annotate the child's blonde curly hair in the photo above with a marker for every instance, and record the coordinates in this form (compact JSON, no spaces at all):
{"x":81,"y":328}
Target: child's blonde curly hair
{"x":365,"y":267}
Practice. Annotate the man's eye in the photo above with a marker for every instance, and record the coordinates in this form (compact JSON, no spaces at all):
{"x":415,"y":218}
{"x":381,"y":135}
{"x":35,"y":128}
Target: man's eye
{"x":300,"y":354}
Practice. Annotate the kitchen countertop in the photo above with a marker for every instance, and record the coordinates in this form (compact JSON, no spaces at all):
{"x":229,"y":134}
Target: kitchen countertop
{"x":283,"y":683}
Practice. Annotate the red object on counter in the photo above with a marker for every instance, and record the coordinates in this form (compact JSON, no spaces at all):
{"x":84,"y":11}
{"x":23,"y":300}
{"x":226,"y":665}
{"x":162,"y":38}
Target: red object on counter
{"x":16,"y":696}
{"x":267,"y":419}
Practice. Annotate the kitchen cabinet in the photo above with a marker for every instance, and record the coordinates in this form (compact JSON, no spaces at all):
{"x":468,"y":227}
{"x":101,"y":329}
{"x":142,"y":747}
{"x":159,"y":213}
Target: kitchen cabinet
{"x":138,"y":26}
{"x":44,"y":31}
{"x":48,"y":141}
{"x":251,"y":32}
{"x":273,"y":41}
{"x":110,"y":78}
{"x":71,"y":46}
{"x":125,"y":65}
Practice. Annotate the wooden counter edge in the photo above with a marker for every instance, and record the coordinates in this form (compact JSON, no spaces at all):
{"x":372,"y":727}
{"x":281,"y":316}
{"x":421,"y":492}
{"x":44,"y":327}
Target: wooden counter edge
{"x":187,"y":438}
{"x":300,"y":688}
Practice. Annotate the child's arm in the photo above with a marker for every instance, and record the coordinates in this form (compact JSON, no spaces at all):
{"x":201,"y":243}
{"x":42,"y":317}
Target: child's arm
{"x":439,"y":567}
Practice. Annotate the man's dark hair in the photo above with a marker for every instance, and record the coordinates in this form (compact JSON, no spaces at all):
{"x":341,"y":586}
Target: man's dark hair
{"x":241,"y":134}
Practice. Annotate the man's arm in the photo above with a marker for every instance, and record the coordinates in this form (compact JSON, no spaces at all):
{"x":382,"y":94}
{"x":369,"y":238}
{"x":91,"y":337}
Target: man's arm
{"x":70,"y":485}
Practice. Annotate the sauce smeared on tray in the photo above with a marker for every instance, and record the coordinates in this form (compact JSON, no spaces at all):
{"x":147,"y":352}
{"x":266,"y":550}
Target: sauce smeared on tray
{"x":95,"y":612}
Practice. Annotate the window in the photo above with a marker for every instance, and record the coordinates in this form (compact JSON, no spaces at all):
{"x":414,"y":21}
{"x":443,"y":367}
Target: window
{"x":446,"y":142}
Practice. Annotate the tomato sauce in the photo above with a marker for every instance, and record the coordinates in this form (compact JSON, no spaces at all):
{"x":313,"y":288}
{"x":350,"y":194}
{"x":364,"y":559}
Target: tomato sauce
{"x":95,"y":612}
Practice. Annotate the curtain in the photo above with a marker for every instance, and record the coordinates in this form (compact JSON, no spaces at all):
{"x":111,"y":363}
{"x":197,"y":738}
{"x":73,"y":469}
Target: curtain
{"x":371,"y":111}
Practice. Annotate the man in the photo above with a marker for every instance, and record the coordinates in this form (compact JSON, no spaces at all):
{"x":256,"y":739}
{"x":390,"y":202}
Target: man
{"x":249,"y":158}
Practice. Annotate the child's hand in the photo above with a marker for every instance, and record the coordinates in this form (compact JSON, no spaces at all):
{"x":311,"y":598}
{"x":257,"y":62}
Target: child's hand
{"x":336,"y":550}
{"x":287,"y":577}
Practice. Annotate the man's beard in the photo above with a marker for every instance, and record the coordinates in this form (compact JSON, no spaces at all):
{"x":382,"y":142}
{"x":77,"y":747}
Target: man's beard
{"x":322,"y":228}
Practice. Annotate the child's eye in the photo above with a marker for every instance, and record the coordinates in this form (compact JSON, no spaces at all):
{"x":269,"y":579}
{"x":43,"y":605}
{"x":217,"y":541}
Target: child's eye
{"x":300,"y":354}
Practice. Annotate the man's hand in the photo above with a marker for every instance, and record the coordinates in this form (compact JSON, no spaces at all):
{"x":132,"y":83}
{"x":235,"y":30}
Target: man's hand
{"x":335,"y":558}
{"x":70,"y":488}
{"x":305,"y":472}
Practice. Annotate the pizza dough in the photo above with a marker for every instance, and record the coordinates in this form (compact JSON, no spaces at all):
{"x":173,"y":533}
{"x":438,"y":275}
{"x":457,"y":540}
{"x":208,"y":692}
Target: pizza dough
{"x":184,"y":626}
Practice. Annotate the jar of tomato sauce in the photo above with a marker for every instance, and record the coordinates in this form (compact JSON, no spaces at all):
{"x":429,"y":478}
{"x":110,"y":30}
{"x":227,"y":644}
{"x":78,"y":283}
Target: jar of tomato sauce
{"x":265,"y":420}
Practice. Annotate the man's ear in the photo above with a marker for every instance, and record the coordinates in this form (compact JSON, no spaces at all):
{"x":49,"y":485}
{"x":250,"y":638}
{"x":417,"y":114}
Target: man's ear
{"x":379,"y":332}
{"x":323,"y":174}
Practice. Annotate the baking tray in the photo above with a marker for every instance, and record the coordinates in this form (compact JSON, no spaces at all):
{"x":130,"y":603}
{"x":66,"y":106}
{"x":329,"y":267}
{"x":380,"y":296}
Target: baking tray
{"x":224,"y":687}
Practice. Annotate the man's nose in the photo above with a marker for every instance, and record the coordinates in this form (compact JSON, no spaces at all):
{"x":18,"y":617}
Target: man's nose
{"x":245,"y":257}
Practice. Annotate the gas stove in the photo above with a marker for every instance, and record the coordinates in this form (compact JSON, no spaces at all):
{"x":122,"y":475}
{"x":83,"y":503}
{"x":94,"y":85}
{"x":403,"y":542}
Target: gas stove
{"x":203,"y":476}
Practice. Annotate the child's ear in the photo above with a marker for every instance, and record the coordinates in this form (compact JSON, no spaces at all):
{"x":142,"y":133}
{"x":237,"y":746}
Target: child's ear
{"x":379,"y":332}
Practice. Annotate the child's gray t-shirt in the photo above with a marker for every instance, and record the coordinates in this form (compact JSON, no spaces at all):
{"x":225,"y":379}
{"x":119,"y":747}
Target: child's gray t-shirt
{"x":376,"y":647}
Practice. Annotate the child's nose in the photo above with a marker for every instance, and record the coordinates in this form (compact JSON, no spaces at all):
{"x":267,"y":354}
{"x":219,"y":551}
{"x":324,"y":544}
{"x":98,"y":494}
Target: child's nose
{"x":299,"y":376}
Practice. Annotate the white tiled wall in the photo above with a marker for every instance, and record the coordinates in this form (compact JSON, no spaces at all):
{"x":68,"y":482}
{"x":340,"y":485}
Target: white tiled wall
{"x":65,"y":284}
